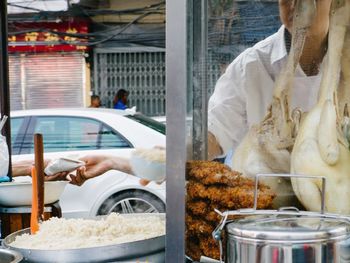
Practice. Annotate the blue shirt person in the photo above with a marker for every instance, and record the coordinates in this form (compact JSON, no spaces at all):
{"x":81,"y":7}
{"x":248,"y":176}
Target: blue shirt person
{"x":121,"y":100}
{"x":120,"y":106}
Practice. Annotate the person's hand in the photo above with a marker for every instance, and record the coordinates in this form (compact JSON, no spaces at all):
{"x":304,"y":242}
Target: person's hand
{"x":62,"y":176}
{"x":79,"y":178}
{"x":95,"y":165}
{"x":145,"y":182}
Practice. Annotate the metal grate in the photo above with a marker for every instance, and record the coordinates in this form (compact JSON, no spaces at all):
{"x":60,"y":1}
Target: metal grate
{"x":139,"y":71}
{"x":48,"y":80}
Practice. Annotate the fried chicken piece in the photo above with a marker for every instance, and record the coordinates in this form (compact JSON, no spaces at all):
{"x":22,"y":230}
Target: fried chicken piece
{"x":209,"y":173}
{"x":205,"y":209}
{"x":231,"y":197}
{"x":199,"y":207}
{"x":198,"y":245}
{"x":209,"y":247}
{"x":198,"y":226}
{"x":213,"y":185}
{"x":192,"y":248}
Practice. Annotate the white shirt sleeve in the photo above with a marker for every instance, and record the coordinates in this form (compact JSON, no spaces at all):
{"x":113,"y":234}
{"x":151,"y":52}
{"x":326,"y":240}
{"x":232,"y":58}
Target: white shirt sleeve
{"x":227,"y":116}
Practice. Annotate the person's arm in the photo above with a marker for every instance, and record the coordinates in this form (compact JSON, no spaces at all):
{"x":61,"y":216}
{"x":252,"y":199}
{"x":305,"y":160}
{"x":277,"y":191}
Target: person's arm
{"x":24,"y":168}
{"x":227,"y":113}
{"x":214,"y":148}
{"x":96,"y":165}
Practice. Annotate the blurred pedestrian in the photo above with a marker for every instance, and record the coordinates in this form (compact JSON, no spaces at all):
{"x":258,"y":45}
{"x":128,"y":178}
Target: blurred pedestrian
{"x":95,"y":101}
{"x":121,"y":100}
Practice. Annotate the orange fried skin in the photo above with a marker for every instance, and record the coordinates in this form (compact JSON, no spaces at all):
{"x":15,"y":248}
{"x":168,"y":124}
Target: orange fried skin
{"x":209,"y":247}
{"x":206,"y":210}
{"x":195,"y":225}
{"x":210,"y":186}
{"x":231,"y":197}
{"x":192,"y":248}
{"x":209,"y":173}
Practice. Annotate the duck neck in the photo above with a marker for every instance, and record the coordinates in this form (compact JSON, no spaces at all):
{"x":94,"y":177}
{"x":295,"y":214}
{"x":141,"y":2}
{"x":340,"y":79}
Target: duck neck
{"x":314,"y":50}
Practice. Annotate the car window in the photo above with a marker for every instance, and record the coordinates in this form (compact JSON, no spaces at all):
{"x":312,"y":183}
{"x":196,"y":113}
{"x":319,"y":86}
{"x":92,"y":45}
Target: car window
{"x":153,"y":124}
{"x":16,"y":134}
{"x":75,"y":134}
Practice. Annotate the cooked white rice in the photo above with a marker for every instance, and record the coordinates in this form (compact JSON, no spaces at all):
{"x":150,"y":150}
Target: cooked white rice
{"x":60,"y":233}
{"x":154,"y":154}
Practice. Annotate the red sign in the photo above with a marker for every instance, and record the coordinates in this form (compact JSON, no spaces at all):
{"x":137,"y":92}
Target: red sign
{"x":42,"y":37}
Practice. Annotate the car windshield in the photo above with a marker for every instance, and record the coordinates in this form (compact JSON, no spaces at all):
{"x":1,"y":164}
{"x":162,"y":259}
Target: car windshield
{"x":155,"y":125}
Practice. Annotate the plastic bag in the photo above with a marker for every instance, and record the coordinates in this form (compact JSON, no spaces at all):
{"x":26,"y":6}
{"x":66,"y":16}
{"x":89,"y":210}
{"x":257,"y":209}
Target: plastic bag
{"x":4,"y":157}
{"x":62,"y":165}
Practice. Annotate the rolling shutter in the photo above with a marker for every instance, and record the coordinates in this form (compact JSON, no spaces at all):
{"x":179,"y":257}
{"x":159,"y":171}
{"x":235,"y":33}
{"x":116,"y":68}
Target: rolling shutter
{"x":16,"y":100}
{"x":47,"y":80}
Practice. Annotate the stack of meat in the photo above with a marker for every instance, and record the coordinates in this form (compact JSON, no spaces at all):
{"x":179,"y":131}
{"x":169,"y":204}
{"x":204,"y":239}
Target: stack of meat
{"x":213,"y":185}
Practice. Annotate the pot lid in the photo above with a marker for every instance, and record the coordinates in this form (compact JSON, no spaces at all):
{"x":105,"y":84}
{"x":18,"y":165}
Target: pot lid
{"x":295,"y":228}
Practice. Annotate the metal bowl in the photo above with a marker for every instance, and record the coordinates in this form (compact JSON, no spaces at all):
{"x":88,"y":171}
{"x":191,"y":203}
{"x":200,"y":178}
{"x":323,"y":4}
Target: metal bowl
{"x":10,"y":256}
{"x":148,"y":250}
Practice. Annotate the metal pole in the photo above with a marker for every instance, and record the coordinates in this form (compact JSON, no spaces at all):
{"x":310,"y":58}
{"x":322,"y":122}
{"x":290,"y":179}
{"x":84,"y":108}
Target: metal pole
{"x":4,"y":78}
{"x":200,"y":79}
{"x":176,"y":102}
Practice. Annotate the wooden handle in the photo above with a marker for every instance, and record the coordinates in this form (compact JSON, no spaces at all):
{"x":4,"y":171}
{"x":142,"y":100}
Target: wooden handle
{"x":34,"y":224}
{"x":39,"y":168}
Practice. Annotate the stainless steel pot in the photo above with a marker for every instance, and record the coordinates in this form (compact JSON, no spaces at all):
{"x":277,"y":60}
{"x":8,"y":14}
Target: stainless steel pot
{"x":149,"y":250}
{"x":288,"y":239}
{"x":285,"y":236}
{"x":10,"y":256}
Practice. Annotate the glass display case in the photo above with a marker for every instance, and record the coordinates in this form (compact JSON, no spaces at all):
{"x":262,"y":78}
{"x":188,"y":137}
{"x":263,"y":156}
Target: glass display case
{"x":251,"y":88}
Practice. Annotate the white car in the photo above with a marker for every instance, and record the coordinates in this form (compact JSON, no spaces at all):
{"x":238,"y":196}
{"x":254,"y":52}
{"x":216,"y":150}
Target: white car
{"x":78,"y":132}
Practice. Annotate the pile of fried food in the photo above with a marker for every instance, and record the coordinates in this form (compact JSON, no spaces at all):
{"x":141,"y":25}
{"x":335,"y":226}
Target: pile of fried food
{"x":212,"y":185}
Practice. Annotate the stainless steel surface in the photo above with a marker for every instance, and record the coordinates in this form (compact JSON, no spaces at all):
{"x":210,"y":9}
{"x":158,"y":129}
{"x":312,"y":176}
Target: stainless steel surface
{"x":200,"y":80}
{"x":292,"y":211}
{"x":289,"y":228}
{"x":150,"y":250}
{"x":322,"y":252}
{"x":21,"y":209}
{"x":286,"y":235}
{"x":176,"y":103}
{"x":288,"y":238}
{"x":10,"y":256}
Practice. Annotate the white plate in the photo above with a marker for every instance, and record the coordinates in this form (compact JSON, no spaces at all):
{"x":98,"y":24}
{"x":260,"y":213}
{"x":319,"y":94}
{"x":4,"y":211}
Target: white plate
{"x":20,"y":193}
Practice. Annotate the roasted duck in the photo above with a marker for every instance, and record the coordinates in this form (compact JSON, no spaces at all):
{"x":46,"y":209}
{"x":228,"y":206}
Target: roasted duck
{"x":267,"y":146}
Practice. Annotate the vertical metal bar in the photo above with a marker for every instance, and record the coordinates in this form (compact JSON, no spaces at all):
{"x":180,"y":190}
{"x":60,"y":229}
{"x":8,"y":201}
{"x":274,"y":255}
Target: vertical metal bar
{"x":323,"y":196}
{"x":4,"y":79}
{"x":200,"y":83}
{"x":256,"y":192}
{"x":97,"y":82}
{"x":176,"y":83}
{"x":23,"y":80}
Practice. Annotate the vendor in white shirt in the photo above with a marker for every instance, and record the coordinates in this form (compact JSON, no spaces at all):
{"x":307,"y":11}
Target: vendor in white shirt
{"x":244,"y":92}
